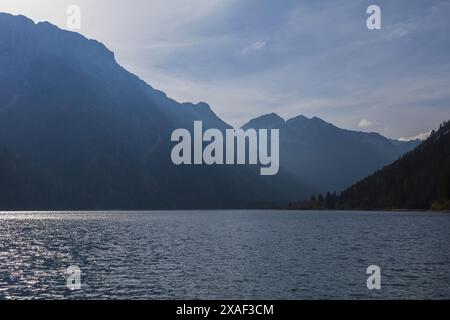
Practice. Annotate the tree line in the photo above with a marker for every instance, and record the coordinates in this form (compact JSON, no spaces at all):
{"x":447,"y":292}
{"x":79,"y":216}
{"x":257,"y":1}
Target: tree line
{"x":420,"y":180}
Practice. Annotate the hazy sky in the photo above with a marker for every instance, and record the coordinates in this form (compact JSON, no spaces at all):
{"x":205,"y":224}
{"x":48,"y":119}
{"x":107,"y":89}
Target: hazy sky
{"x":250,"y":57}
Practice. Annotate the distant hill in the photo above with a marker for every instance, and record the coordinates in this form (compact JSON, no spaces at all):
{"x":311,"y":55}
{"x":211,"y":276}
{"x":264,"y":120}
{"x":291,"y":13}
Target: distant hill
{"x":81,"y":132}
{"x":419,"y":180}
{"x":326,"y":157}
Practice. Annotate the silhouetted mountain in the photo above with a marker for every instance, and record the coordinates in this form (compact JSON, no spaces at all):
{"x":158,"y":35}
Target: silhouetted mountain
{"x":405,"y":146}
{"x":91,"y":135}
{"x":268,"y":121}
{"x":20,"y":185}
{"x":326,"y":157}
{"x":102,"y":135}
{"x":419,"y":180}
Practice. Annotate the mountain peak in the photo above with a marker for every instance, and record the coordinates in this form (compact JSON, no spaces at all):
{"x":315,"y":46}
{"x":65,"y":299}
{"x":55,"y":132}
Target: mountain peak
{"x":4,"y":16}
{"x":299,"y":118}
{"x":197,"y":107}
{"x":267,"y":121}
{"x":203,"y":106}
{"x":46,"y":37}
{"x":305,"y":121}
{"x":317,"y":119}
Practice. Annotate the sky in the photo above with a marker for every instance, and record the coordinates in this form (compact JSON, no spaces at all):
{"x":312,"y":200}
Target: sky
{"x":251,"y":57}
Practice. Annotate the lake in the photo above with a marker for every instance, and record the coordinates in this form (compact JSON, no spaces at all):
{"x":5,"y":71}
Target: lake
{"x":224,"y":254}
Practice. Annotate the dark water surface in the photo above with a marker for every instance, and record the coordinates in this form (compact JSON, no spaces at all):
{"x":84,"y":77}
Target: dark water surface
{"x":225,"y":254}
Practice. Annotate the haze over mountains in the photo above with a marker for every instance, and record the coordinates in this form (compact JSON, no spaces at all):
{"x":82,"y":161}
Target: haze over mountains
{"x":78,"y":131}
{"x":420,"y":179}
{"x":323,"y":155}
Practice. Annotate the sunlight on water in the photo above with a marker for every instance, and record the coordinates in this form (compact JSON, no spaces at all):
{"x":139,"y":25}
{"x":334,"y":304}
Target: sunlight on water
{"x":224,"y":254}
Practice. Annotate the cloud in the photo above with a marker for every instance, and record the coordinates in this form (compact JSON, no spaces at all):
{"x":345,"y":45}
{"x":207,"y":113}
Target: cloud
{"x":364,"y":123}
{"x":253,"y":47}
{"x":247,"y":58}
{"x":400,"y":30}
{"x":421,"y":136}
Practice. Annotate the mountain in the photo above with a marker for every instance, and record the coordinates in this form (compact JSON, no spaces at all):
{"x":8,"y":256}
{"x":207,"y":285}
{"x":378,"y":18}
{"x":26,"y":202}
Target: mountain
{"x":326,"y":157}
{"x":20,"y":185}
{"x":268,"y":121}
{"x":405,"y":146}
{"x":418,"y":180}
{"x":84,"y":133}
{"x":102,"y":135}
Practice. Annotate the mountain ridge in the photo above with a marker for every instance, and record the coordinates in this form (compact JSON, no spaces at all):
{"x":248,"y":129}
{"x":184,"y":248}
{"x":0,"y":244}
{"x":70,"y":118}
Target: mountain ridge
{"x":101,"y":135}
{"x":420,"y":179}
{"x":333,"y":153}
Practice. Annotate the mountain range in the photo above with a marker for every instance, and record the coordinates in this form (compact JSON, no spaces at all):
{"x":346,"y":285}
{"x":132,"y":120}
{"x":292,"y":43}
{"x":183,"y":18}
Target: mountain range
{"x":420,"y":179}
{"x":78,"y":131}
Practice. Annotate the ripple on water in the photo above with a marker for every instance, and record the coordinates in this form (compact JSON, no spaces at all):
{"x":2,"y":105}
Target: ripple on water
{"x":224,"y":254}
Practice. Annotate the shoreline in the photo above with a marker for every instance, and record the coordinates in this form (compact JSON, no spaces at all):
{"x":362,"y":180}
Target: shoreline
{"x":220,"y":209}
